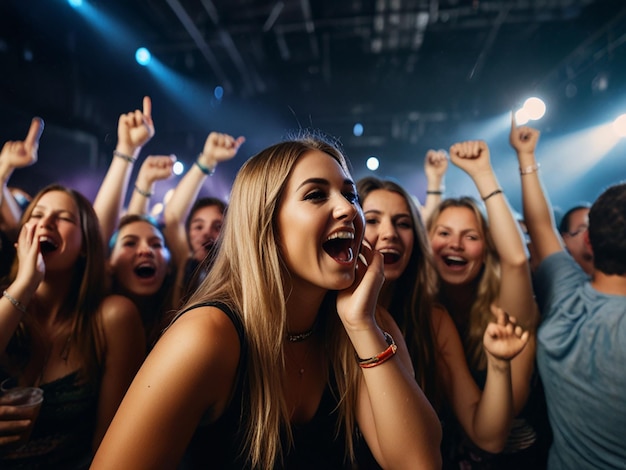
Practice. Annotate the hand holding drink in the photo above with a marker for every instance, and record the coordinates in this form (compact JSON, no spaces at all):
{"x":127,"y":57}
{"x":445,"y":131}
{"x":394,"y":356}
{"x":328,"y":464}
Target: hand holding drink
{"x":19,"y":408}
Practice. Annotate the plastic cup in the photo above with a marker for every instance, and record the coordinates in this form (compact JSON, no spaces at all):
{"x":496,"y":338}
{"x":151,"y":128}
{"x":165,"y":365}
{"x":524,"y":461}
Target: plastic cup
{"x":28,"y":400}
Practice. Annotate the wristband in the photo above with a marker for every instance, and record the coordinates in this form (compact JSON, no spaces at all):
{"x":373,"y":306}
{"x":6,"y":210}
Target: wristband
{"x":144,"y":193}
{"x":205,"y":169}
{"x":16,"y":303}
{"x":529,"y":169}
{"x":381,"y":357}
{"x":437,"y":192}
{"x":493,"y":193}
{"x":123,"y":156}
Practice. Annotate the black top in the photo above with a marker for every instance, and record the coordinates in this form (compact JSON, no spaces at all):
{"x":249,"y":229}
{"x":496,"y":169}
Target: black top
{"x":219,"y":445}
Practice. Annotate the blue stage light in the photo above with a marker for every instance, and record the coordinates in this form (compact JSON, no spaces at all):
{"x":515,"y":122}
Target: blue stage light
{"x":143,"y":56}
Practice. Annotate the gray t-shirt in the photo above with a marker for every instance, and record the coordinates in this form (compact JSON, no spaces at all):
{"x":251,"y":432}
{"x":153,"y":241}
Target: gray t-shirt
{"x":581,"y":356}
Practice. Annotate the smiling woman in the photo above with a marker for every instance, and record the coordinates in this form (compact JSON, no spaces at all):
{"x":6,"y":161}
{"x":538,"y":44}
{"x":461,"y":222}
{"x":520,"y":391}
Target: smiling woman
{"x":141,"y":269}
{"x":258,"y":370}
{"x":60,"y":332}
{"x":480,"y":265}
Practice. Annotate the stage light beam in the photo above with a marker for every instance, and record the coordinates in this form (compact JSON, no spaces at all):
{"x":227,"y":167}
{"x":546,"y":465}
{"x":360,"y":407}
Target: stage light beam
{"x":619,"y":125}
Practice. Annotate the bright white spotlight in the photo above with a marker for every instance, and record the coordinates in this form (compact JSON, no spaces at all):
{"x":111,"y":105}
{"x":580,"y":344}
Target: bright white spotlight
{"x":357,"y":130}
{"x":178,"y":168}
{"x":619,"y":125}
{"x":535,"y":108}
{"x":373,"y":163}
{"x":75,"y":3}
{"x":521,"y":117}
{"x":143,"y":56}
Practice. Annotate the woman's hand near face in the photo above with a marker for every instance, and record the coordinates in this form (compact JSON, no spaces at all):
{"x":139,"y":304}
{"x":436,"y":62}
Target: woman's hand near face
{"x":357,"y":304}
{"x":31,"y":264}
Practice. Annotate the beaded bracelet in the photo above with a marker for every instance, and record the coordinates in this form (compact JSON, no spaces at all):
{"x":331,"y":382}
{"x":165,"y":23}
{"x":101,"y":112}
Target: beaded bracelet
{"x":381,"y":357}
{"x":123,"y":156}
{"x":493,"y":193}
{"x":16,"y":303}
{"x":529,"y":169}
{"x":205,"y":169}
{"x":143,"y":193}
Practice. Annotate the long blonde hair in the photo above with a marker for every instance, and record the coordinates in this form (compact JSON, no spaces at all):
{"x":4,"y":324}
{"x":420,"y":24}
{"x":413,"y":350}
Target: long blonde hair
{"x":488,"y":286}
{"x":249,"y":276}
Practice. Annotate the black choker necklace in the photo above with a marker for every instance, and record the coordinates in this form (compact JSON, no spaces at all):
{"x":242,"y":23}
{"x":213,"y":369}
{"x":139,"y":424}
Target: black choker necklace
{"x":301,"y":336}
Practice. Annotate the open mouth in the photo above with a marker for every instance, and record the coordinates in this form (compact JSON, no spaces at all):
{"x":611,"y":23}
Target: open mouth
{"x":47,"y":245}
{"x":390,"y":257}
{"x":454,"y":261}
{"x":145,"y":271}
{"x":339,"y":246}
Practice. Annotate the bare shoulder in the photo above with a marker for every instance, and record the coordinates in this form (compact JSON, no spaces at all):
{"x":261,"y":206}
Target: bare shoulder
{"x":122,"y":326}
{"x":203,"y":321}
{"x":117,"y":309}
{"x":201,"y":350}
{"x":114,"y":306}
{"x":205,"y":335}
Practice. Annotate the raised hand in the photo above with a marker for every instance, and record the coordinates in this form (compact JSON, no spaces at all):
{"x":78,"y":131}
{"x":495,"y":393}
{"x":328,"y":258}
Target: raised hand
{"x":357,"y":304}
{"x":23,"y":153}
{"x":135,"y":129}
{"x":471,"y":156}
{"x":156,"y":168}
{"x":523,"y":139}
{"x":219,"y":148}
{"x":504,"y":339}
{"x":435,"y":164}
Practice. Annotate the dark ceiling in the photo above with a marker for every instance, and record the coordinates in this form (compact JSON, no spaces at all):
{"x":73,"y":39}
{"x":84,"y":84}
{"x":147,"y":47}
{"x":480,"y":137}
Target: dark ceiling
{"x":415,"y":73}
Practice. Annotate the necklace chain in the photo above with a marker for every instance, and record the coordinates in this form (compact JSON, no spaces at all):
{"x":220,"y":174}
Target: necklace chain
{"x":304,"y":335}
{"x":300,"y":336}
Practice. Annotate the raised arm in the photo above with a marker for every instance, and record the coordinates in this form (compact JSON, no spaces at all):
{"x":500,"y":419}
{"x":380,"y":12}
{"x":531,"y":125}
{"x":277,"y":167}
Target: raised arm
{"x":399,"y":424}
{"x":516,"y":294}
{"x":16,"y":154}
{"x":536,"y":206}
{"x":153,"y":169}
{"x":484,"y":416}
{"x":217,"y":148}
{"x":435,"y":167}
{"x":134,"y":130}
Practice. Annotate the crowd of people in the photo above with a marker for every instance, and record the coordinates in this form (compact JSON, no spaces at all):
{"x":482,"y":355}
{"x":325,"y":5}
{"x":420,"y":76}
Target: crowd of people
{"x":316,"y":321}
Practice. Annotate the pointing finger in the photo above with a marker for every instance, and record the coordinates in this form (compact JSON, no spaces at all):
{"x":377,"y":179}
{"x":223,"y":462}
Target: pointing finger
{"x":147,"y":106}
{"x":35,"y":131}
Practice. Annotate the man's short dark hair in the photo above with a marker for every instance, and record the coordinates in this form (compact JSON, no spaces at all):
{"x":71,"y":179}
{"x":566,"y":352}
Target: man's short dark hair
{"x":607,"y":230}
{"x":564,"y":225}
